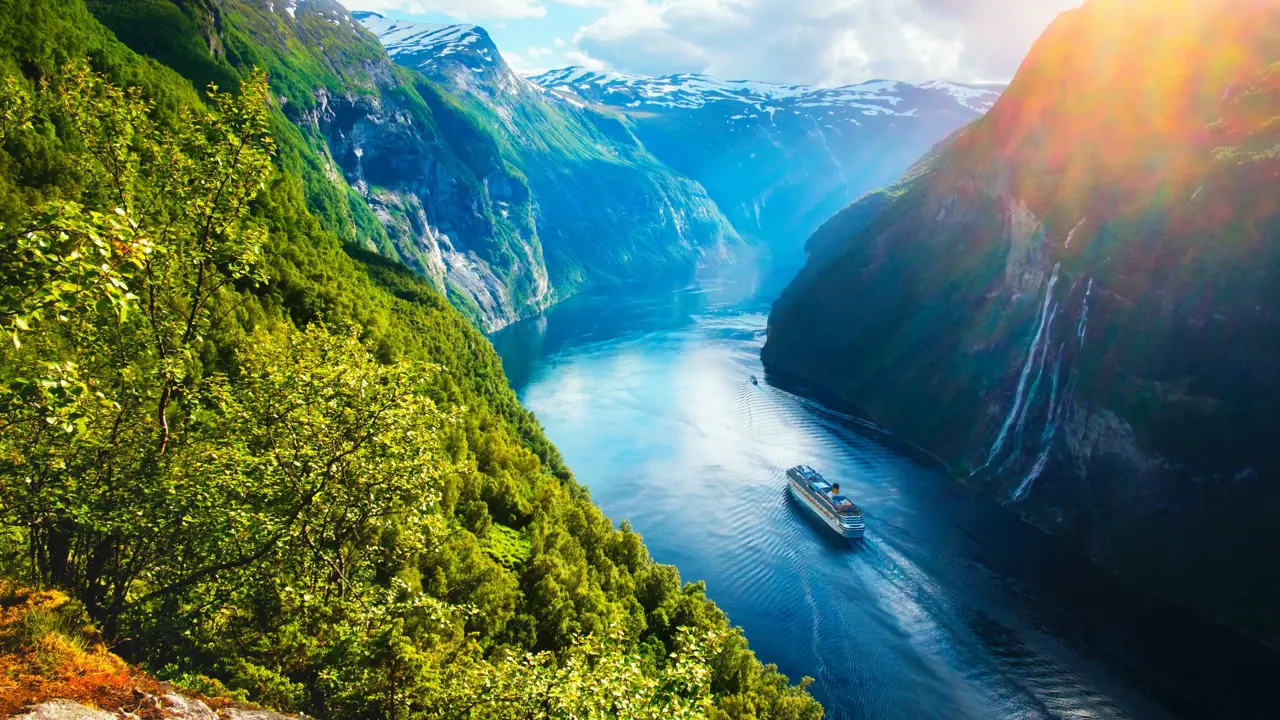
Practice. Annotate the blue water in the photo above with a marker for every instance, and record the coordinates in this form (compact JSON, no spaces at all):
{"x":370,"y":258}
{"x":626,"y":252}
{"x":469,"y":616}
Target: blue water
{"x":950,"y":607}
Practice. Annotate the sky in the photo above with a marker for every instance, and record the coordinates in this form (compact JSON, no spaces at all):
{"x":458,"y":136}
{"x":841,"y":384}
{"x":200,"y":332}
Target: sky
{"x":809,"y":42}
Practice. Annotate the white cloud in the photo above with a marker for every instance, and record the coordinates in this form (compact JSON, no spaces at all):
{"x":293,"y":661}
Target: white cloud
{"x":827,"y":42}
{"x":523,"y":64}
{"x":462,"y":9}
{"x":581,"y":59}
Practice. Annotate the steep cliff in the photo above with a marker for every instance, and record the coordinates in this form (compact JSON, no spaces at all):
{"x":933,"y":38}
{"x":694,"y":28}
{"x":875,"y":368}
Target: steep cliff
{"x":1074,"y":300}
{"x":388,"y":158}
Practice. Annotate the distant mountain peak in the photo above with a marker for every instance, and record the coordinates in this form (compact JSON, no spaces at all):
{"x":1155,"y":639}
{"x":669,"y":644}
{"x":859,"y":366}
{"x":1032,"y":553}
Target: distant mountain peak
{"x":694,"y":90}
{"x":430,"y":44}
{"x":463,"y":54}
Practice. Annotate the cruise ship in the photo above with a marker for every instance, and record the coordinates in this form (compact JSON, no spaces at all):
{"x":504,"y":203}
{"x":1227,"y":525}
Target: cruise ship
{"x":824,"y":500}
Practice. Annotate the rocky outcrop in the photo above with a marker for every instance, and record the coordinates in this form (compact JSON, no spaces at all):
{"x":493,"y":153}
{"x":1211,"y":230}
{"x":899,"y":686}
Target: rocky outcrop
{"x":56,"y":667}
{"x":1027,"y":261}
{"x":171,"y":706}
{"x":64,"y":710}
{"x":461,"y":221}
{"x":1073,"y":300}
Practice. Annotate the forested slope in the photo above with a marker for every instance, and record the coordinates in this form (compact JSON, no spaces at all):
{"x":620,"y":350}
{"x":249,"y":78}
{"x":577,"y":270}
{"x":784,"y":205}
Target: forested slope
{"x":277,"y":464}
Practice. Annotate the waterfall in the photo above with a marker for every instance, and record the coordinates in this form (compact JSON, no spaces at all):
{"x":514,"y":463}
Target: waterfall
{"x":1035,"y":385}
{"x":1026,"y":371}
{"x":1021,"y":493}
{"x":1050,"y":425}
{"x":823,"y":137}
{"x":1072,"y":234}
{"x":1046,"y":438}
{"x":1084,"y":315}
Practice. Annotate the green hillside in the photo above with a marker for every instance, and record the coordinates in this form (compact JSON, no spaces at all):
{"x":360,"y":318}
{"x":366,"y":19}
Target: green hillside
{"x":270,"y":461}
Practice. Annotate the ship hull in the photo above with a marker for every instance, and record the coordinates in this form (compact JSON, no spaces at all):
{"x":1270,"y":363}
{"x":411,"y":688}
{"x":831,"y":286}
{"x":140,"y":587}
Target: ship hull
{"x":823,"y":515}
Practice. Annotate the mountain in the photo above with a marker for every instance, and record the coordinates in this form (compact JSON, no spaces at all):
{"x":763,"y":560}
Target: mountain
{"x":390,"y":161}
{"x":779,"y":159}
{"x":603,"y":207}
{"x":462,"y":55}
{"x":1073,"y":301}
{"x":506,"y":203}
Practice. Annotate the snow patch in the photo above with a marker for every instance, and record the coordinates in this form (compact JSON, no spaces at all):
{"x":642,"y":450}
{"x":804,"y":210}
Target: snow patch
{"x":976,"y":97}
{"x":693,"y":91}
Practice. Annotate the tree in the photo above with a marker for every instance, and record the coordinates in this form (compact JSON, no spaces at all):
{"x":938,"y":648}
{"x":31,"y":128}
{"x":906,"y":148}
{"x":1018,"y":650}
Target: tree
{"x":598,"y":678}
{"x":162,"y":228}
{"x":304,"y":511}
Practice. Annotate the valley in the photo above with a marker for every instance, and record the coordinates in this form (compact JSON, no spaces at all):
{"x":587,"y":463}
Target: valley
{"x":411,"y":360}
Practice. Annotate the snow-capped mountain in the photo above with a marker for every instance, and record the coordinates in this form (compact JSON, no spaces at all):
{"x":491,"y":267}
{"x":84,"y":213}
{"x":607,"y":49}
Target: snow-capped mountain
{"x":400,"y":37}
{"x":780,"y":159}
{"x":691,"y":91}
{"x":460,"y":55}
{"x":776,"y":159}
{"x":436,"y":45}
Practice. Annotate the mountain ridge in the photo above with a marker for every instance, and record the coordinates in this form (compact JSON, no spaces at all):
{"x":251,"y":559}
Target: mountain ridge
{"x":977,"y":96}
{"x":779,"y":159}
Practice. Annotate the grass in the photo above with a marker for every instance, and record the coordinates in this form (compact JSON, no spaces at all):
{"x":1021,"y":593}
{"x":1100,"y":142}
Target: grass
{"x":507,"y":546}
{"x":49,"y":650}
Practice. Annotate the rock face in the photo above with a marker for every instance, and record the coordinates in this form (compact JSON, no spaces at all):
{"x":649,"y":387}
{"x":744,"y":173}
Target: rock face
{"x":64,"y":710}
{"x":460,"y":219}
{"x":1074,"y":300}
{"x":779,"y":159}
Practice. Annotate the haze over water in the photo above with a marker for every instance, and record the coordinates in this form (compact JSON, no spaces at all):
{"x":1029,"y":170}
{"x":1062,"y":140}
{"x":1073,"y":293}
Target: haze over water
{"x":950,"y":607}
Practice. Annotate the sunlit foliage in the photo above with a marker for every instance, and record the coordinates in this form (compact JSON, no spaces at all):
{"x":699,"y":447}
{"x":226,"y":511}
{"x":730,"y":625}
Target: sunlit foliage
{"x":277,"y":468}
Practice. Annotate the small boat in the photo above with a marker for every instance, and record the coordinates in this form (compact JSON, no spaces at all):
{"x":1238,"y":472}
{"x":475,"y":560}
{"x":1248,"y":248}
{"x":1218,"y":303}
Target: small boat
{"x":824,"y":501}
{"x":754,"y":381}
